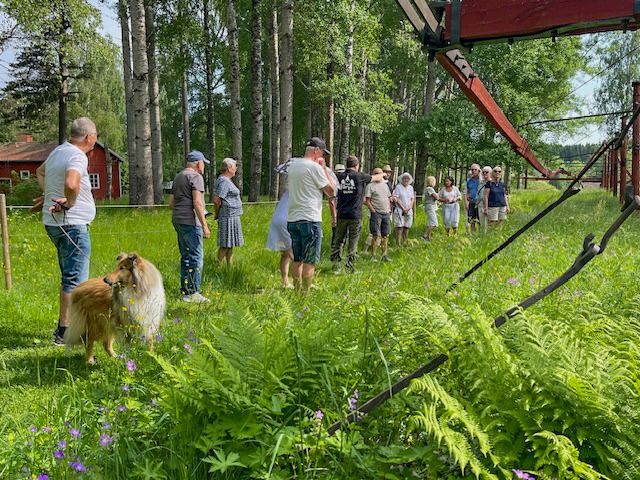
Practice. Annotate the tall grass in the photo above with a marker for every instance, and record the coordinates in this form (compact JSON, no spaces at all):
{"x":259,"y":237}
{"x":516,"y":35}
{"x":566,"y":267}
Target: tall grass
{"x":245,"y":386}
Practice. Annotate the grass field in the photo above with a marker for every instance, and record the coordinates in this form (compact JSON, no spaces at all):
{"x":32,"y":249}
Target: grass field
{"x":245,"y":387}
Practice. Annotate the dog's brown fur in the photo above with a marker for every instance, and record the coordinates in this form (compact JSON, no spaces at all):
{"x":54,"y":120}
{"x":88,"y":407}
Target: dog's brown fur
{"x":130,"y":297}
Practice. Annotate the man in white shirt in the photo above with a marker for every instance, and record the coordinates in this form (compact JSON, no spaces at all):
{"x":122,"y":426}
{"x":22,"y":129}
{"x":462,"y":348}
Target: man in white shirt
{"x":68,"y":209}
{"x":308,"y":180}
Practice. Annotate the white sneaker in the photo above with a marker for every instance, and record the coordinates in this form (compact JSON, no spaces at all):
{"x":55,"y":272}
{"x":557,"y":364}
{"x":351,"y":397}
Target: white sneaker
{"x":196,"y":298}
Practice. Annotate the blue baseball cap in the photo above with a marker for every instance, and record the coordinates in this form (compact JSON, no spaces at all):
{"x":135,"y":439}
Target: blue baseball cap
{"x":196,"y":156}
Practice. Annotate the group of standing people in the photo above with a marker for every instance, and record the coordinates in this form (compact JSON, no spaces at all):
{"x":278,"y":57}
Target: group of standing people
{"x":485,"y":200}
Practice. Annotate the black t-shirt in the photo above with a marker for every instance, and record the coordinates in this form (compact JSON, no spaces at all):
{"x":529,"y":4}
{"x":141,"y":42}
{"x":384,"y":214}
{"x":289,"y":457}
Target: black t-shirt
{"x":351,"y":194}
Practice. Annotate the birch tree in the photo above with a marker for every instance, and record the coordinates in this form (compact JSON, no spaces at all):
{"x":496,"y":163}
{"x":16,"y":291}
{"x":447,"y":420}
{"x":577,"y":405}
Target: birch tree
{"x":256,"y":95}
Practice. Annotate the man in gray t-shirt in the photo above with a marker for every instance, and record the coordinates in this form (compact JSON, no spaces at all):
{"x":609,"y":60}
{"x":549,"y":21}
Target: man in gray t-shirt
{"x":188,"y":217}
{"x":377,"y":199}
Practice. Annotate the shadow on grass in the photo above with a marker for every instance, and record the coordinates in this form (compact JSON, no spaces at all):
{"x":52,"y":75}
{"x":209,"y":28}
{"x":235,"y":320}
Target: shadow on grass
{"x":42,"y":366}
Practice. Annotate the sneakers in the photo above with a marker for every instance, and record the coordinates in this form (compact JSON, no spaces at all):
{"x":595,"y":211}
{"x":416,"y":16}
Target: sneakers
{"x":385,"y":258}
{"x":195,"y":298}
{"x":58,"y":336}
{"x":374,"y":259}
{"x":425,"y":239}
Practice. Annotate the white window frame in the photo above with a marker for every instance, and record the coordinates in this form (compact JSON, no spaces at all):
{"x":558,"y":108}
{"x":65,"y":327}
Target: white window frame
{"x":96,"y":177}
{"x":25,"y":174}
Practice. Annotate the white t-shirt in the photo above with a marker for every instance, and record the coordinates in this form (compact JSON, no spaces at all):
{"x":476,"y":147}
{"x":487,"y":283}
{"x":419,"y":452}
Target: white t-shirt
{"x":306,"y":181}
{"x":67,"y":157}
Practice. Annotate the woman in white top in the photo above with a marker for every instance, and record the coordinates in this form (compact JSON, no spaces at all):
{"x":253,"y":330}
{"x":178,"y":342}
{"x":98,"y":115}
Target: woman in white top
{"x":430,"y":199}
{"x":450,"y":196}
{"x":404,"y":198}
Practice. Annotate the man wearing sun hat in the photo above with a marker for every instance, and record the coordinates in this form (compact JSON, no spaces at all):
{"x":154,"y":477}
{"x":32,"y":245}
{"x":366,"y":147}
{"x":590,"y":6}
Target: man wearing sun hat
{"x":188,"y":217}
{"x":485,"y":177}
{"x":308,"y":180}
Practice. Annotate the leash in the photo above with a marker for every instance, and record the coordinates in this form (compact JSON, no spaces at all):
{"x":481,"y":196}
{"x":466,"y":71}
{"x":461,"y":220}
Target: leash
{"x":61,"y":227}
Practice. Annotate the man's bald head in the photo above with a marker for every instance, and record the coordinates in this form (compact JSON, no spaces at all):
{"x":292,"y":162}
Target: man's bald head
{"x":377,"y":170}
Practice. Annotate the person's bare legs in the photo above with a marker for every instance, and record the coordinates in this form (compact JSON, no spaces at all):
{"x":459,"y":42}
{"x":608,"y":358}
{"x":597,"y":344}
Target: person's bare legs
{"x":308,"y":271}
{"x":286,"y":257}
{"x":398,"y":236}
{"x":296,"y":274}
{"x":405,"y":234}
{"x":225,"y":253}
{"x":384,"y":242}
{"x":374,"y":245}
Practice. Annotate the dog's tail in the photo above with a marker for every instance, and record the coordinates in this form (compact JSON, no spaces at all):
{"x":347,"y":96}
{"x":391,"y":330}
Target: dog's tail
{"x":77,"y":330}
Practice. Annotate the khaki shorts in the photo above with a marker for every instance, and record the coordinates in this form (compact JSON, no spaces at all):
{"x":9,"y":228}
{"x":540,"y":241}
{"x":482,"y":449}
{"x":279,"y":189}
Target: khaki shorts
{"x":497,"y":213}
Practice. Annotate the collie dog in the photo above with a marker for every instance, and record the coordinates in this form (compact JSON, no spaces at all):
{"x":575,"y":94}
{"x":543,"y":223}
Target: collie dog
{"x":130,"y":300}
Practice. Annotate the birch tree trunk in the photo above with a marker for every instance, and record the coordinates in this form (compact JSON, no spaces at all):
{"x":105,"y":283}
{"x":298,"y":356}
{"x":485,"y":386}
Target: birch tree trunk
{"x":274,"y":100}
{"x":211,"y":126}
{"x":141,"y":174}
{"x":427,"y":106}
{"x":186,"y":128}
{"x":286,"y":79}
{"x":123,"y":15}
{"x":256,"y":94}
{"x":62,"y":100}
{"x":234,"y":92}
{"x":346,"y":120}
{"x":154,"y":97}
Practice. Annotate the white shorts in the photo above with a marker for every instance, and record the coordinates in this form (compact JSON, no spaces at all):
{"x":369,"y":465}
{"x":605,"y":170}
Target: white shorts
{"x":403,"y":221}
{"x":432,"y":219}
{"x":497,"y":213}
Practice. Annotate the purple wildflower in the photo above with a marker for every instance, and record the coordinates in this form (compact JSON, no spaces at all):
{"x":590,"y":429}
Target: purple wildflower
{"x":105,"y":440}
{"x":75,"y":433}
{"x":29,"y":442}
{"x":46,"y":429}
{"x":106,"y":425}
{"x":62,"y":444}
{"x":59,"y":454}
{"x":103,"y":409}
{"x":131,"y":366}
{"x":532,"y":280}
{"x":158,"y":338}
{"x":153,"y":403}
{"x":122,"y":408}
{"x":524,"y":475}
{"x":122,"y":357}
{"x":43,"y":476}
{"x":319,"y":414}
{"x":188,"y":348}
{"x":125,"y":388}
{"x":33,"y":429}
{"x":513,"y":281}
{"x":176,"y":320}
{"x":77,"y":466}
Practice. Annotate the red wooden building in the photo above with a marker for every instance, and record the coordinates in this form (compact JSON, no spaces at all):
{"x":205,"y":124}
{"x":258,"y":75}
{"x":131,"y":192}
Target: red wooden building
{"x":25,"y":156}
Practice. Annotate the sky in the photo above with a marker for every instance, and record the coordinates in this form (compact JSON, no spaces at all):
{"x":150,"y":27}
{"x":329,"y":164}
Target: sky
{"x":590,"y":133}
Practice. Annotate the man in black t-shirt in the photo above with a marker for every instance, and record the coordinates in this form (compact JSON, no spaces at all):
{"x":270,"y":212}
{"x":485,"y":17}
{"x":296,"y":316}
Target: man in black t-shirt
{"x":351,"y":186}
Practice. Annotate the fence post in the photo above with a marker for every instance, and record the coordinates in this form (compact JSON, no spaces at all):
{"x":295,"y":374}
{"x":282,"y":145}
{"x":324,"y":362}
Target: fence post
{"x":5,"y":240}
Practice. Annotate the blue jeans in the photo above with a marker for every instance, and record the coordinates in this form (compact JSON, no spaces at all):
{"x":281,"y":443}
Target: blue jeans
{"x":306,"y":241}
{"x":191,"y":257}
{"x":73,"y":260}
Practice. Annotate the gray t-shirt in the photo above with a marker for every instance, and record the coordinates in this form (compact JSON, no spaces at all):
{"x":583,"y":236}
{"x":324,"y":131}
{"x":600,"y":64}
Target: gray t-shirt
{"x":379,"y":194}
{"x":184,"y":184}
{"x":231,"y":205}
{"x":430,"y":203}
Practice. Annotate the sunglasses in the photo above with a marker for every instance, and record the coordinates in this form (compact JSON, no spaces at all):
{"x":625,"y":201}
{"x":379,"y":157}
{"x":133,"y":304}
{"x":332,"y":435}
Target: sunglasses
{"x":497,"y":171}
{"x":475,"y":170}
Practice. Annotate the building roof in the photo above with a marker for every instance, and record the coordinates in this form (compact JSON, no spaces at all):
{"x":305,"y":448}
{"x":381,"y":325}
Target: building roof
{"x":34,"y":151}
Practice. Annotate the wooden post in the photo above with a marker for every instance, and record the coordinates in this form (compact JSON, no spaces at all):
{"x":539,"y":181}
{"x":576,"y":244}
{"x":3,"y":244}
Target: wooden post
{"x":623,"y":162}
{"x":5,"y":240}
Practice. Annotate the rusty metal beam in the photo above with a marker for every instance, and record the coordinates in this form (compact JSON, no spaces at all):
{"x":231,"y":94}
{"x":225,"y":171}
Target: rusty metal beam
{"x":456,"y":65}
{"x":623,"y":161}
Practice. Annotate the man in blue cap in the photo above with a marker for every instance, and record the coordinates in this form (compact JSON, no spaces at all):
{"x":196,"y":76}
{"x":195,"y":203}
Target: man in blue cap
{"x":187,"y":202}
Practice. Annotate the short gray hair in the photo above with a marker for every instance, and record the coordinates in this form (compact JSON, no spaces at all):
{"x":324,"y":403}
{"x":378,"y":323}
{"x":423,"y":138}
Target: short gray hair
{"x":81,"y":127}
{"x":227,"y":163}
